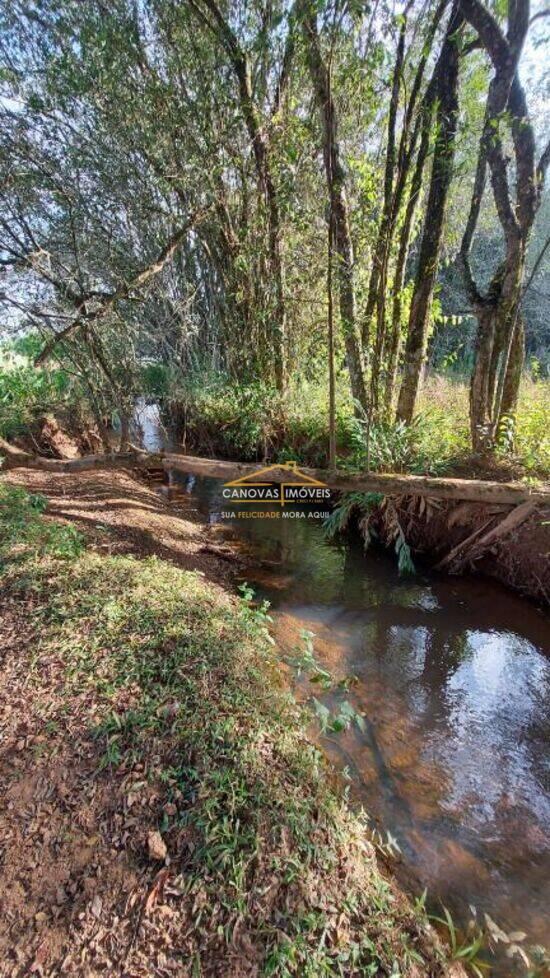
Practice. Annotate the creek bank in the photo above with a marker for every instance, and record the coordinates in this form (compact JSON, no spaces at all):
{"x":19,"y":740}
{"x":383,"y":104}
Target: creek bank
{"x":452,"y":534}
{"x":518,"y":557}
{"x":444,"y":523}
{"x":471,"y":538}
{"x":139,"y":698}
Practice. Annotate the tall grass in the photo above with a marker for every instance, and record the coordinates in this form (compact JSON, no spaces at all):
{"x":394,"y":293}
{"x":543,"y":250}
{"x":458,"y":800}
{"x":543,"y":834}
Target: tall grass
{"x":216,"y":416}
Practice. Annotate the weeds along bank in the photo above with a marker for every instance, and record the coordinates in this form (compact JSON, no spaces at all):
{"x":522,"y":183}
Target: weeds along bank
{"x":53,"y":411}
{"x":164,"y":812}
{"x":215,"y":418}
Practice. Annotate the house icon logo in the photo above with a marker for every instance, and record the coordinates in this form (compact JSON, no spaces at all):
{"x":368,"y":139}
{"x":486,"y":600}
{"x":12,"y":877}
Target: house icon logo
{"x":283,"y":484}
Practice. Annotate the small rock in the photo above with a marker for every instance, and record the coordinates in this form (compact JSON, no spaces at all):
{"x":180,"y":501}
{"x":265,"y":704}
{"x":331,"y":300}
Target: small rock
{"x":97,"y":906}
{"x":170,"y":809}
{"x":157,"y":846}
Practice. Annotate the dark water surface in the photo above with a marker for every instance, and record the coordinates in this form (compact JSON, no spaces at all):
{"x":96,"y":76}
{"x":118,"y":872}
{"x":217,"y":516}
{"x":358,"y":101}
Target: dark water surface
{"x":454,"y":684}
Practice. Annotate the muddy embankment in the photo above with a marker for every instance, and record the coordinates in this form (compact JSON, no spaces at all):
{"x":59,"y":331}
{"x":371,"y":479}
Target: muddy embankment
{"x":494,"y":541}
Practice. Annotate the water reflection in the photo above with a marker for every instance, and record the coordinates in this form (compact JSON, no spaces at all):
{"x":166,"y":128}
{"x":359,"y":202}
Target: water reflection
{"x":454,"y":682}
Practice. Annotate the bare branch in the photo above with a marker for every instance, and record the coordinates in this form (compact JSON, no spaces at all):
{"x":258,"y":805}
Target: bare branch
{"x":109,"y":301}
{"x":537,"y":264}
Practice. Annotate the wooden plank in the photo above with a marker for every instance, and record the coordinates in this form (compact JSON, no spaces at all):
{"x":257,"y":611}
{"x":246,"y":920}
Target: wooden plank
{"x":472,"y":490}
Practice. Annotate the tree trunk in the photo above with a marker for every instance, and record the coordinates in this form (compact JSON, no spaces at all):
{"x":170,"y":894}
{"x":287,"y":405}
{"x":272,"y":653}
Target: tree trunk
{"x":399,"y":277}
{"x":338,"y":203}
{"x":510,"y":392}
{"x":500,"y":342}
{"x":124,"y":430}
{"x":497,"y":315}
{"x":442,"y":167}
{"x":260,"y":146}
{"x":480,"y":398}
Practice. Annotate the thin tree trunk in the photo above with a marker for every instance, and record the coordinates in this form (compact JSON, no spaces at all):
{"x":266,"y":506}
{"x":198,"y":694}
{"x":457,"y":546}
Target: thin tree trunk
{"x":399,"y":277}
{"x":331,"y":370}
{"x":124,"y":430}
{"x":442,"y":167}
{"x":261,"y":150}
{"x":377,"y":282}
{"x":338,"y":203}
{"x":480,"y":395}
{"x":510,"y":393}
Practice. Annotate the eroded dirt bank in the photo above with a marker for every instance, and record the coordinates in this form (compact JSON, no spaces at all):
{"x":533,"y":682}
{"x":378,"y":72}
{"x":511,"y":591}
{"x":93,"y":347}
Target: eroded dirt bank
{"x":99,"y":755}
{"x":451,"y":538}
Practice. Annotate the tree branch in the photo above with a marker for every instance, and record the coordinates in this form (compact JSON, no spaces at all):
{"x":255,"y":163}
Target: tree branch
{"x":537,"y":264}
{"x":108,"y":301}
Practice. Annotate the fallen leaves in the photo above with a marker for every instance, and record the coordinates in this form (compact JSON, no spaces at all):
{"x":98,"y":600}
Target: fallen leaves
{"x":156,"y":892}
{"x":156,"y":846}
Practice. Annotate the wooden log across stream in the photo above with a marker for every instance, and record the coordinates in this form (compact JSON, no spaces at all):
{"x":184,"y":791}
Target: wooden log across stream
{"x":470,"y":490}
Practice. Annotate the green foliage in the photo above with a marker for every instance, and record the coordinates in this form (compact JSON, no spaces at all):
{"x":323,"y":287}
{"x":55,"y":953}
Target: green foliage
{"x":24,"y":531}
{"x":28,"y":392}
{"x":217,"y":416}
{"x":336,"y":721}
{"x":395,"y":447}
{"x":252,"y":420}
{"x":352,"y":504}
{"x":532,"y":427}
{"x":155,"y":379}
{"x":375,"y":516}
{"x":467,"y":950}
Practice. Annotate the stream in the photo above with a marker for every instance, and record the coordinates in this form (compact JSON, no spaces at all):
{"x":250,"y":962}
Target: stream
{"x":452,"y":679}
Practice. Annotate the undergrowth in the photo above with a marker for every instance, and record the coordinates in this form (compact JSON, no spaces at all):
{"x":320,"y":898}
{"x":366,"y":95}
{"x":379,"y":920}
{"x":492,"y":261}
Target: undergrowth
{"x":216,"y":416}
{"x":186,"y":685}
{"x":27,"y":392}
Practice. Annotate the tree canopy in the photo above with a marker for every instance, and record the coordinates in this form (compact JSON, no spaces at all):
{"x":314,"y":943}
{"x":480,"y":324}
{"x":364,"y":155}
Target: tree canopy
{"x":179,"y":180}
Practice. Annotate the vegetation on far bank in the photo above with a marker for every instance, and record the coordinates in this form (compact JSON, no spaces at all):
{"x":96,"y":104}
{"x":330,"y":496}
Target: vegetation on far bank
{"x":210,"y":415}
{"x":184,"y":701}
{"x":215,"y":417}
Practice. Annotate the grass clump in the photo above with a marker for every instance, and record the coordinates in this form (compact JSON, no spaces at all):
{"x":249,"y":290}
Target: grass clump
{"x":268,"y":861}
{"x":23,"y":531}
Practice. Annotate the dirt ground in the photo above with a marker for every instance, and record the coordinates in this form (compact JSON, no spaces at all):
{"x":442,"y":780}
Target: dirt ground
{"x":75,"y":875}
{"x":121,"y":512}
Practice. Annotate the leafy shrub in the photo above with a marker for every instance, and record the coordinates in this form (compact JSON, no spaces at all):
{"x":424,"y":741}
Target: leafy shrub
{"x":27,"y":392}
{"x":396,"y":447}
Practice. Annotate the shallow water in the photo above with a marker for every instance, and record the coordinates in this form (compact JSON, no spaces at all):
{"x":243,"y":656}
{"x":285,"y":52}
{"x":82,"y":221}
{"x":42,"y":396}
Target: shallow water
{"x":453,"y":680}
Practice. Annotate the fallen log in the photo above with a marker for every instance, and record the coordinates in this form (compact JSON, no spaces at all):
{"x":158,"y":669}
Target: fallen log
{"x":15,"y":457}
{"x":471,"y":490}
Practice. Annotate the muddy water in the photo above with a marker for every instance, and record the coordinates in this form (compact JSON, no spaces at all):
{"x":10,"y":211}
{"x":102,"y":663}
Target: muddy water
{"x":453,"y":680}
